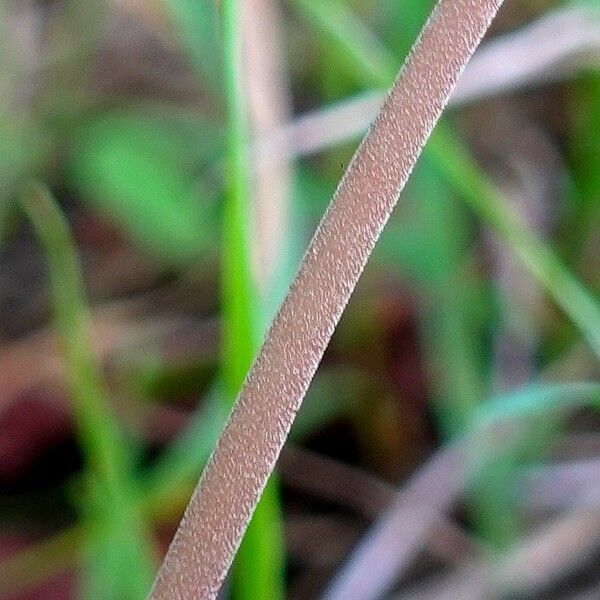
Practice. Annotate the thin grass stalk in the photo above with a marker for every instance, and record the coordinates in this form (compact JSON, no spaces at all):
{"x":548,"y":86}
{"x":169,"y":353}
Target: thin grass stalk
{"x":222,"y":504}
{"x":448,"y":343}
{"x":261,"y":573}
{"x":470,"y":181}
{"x":62,"y":551}
{"x":483,"y":197}
{"x":491,"y":508}
{"x":241,"y":320}
{"x":257,"y":572}
{"x":115,"y":525}
{"x":385,"y":552}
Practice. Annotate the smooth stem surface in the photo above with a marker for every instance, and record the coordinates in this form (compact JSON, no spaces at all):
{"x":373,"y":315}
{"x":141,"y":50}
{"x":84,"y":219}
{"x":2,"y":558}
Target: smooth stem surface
{"x":117,"y":533}
{"x":222,"y":505}
{"x":257,"y":572}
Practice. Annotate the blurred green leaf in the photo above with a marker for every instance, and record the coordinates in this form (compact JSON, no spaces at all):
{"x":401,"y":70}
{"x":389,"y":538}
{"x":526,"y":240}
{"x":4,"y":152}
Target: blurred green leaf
{"x":539,"y":258}
{"x":360,"y":49}
{"x":401,"y":21}
{"x":141,"y":173}
{"x":538,"y":408}
{"x":183,"y":460}
{"x":258,"y":569}
{"x":584,"y":149}
{"x":537,"y":400}
{"x":197,"y":23}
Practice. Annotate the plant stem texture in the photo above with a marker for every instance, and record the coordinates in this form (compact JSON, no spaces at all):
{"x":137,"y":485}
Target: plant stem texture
{"x":222,"y":504}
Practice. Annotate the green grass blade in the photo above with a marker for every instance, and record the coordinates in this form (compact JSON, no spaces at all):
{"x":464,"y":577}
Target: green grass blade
{"x":451,"y":327}
{"x":475,"y":187}
{"x":121,"y":566}
{"x":184,"y":459}
{"x":61,"y":551}
{"x":368,"y":59}
{"x":258,"y":569}
{"x":497,"y":515}
{"x":537,"y":400}
{"x":197,"y":24}
{"x":98,"y":430}
{"x":584,"y":163}
{"x":241,"y":318}
{"x":403,"y":21}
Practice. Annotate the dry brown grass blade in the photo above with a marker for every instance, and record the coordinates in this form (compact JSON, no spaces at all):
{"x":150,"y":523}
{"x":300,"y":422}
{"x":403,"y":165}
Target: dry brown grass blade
{"x":335,"y":482}
{"x":388,"y":548}
{"x":562,"y":486}
{"x":529,"y":570}
{"x":268,"y":109}
{"x":554,"y":48}
{"x":222,"y":504}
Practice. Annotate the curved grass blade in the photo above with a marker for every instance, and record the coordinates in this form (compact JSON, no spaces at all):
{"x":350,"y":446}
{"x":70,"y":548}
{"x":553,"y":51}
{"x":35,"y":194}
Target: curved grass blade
{"x":205,"y":543}
{"x":394,"y":540}
{"x":474,"y":186}
{"x":536,"y":400}
{"x":121,"y":564}
{"x":258,"y":569}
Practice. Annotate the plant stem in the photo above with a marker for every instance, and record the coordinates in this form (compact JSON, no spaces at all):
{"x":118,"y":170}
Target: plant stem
{"x":232,"y":483}
{"x":372,"y":60}
{"x":122,"y":565}
{"x":258,"y":569}
{"x":469,"y":181}
{"x":241,"y":322}
{"x":537,"y":257}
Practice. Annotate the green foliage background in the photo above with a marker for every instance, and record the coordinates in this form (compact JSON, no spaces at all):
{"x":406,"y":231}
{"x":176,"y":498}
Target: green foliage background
{"x":173,"y":177}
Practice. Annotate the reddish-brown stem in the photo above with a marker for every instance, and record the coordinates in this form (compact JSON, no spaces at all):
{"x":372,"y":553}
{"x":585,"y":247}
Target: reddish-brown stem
{"x":222,"y":504}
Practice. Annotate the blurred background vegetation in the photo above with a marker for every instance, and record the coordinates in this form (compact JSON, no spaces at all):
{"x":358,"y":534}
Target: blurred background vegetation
{"x":163,"y":164}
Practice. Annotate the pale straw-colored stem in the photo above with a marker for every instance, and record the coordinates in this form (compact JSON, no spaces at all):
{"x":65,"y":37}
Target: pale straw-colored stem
{"x":222,"y":504}
{"x":268,"y":111}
